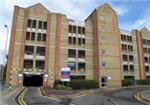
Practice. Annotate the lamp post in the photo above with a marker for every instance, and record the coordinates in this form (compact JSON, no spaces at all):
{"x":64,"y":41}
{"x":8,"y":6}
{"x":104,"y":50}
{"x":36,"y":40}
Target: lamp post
{"x":5,"y":52}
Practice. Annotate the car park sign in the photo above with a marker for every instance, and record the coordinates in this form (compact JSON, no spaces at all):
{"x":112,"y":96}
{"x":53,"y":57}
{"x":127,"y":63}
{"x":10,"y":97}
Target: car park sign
{"x":65,"y":74}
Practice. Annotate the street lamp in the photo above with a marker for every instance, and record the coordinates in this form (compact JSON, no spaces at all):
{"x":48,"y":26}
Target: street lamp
{"x":5,"y":51}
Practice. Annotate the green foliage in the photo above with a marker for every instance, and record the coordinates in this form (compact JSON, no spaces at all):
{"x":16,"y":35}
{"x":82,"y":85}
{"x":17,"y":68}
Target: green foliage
{"x":128,"y":82}
{"x":143,"y":82}
{"x":83,"y":84}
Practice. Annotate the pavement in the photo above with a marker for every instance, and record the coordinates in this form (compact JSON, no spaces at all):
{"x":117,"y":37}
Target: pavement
{"x":7,"y":97}
{"x":146,"y":95}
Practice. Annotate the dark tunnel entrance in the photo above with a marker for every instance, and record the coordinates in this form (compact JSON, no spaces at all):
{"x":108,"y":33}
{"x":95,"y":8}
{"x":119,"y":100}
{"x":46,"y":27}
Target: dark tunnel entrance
{"x":33,"y":80}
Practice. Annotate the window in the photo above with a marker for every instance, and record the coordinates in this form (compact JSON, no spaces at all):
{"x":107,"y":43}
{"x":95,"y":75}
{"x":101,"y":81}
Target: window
{"x":131,"y":68}
{"x":144,"y":41}
{"x":123,"y":37}
{"x":33,"y":23}
{"x":69,"y":40}
{"x":72,"y":65}
{"x":74,"y":40}
{"x":74,"y":29}
{"x":29,"y":50}
{"x":41,"y":37}
{"x":146,"y":59}
{"x":44,"y":25}
{"x":79,"y":41}
{"x":103,"y":39}
{"x":145,"y":50}
{"x":146,"y":68}
{"x":79,"y":30}
{"x":33,"y":36}
{"x":131,"y":58}
{"x":81,"y":66}
{"x":29,"y":23}
{"x":70,"y":28}
{"x":81,"y":54}
{"x":125,"y":58}
{"x":39,"y":64}
{"x":28,"y":64}
{"x":103,"y":64}
{"x":103,"y":52}
{"x":125,"y":68}
{"x":83,"y":41}
{"x":40,"y":25}
{"x":102,"y":28}
{"x":71,"y":53}
{"x":101,"y":17}
{"x":40,"y":51}
{"x":83,"y":30}
{"x":28,"y":36}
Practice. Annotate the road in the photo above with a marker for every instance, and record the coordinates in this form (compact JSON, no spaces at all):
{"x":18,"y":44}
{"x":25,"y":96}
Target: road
{"x":103,"y":97}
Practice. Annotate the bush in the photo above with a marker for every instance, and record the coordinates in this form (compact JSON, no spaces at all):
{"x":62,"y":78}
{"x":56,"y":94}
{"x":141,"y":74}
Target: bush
{"x":83,"y":84}
{"x":56,"y":82}
{"x":128,"y":82}
{"x":143,"y":82}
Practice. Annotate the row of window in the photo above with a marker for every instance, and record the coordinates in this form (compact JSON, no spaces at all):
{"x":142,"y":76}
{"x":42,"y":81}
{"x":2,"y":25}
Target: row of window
{"x":73,"y":66}
{"x":28,"y":64}
{"x":146,"y":50}
{"x":29,"y":50}
{"x":129,"y":58}
{"x":72,"y":53}
{"x":147,"y":69}
{"x":76,"y":29}
{"x":146,"y":42}
{"x":127,"y":47}
{"x":127,"y":68}
{"x":74,"y":41}
{"x":33,"y":24}
{"x":33,"y":36}
{"x":126,"y":38}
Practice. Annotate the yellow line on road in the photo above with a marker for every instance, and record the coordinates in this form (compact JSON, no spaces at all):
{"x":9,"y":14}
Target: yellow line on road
{"x":21,"y":96}
{"x":140,"y":99}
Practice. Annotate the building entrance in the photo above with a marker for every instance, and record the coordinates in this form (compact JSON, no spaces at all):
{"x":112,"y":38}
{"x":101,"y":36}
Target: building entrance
{"x":32,"y":80}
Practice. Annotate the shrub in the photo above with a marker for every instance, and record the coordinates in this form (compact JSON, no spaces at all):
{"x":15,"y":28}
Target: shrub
{"x":83,"y":84}
{"x":127,"y":82}
{"x":56,"y":82}
{"x":143,"y":82}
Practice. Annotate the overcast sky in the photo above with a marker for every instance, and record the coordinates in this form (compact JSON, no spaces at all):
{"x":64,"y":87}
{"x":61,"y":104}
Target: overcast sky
{"x":131,"y":13}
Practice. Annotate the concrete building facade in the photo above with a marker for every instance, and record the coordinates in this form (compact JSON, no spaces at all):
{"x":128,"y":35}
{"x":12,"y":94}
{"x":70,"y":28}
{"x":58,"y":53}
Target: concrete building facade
{"x":42,"y":42}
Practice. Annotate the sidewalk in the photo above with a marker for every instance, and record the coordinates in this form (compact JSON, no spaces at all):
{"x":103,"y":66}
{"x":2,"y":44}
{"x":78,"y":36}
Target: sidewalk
{"x":146,"y":95}
{"x":8,"y":97}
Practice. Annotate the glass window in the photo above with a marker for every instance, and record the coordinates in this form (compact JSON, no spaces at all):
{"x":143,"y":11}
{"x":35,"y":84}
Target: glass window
{"x":39,"y":37}
{"x":71,"y":53}
{"x":74,"y":29}
{"x":103,"y":64}
{"x":81,"y":54}
{"x":81,"y":66}
{"x":79,"y":41}
{"x":70,"y":28}
{"x":125,"y":58}
{"x":70,"y":40}
{"x":44,"y":37}
{"x":103,"y":52}
{"x":83,"y":41}
{"x":103,"y":39}
{"x":33,"y":36}
{"x":83,"y":30}
{"x":29,"y":50}
{"x":29,"y":23}
{"x":40,"y":25}
{"x":40,"y":51}
{"x":125,"y":68}
{"x":74,"y":40}
{"x":45,"y":25}
{"x":72,"y":65}
{"x":28,"y":36}
{"x":28,"y":64}
{"x":101,"y":17}
{"x":33,"y":23}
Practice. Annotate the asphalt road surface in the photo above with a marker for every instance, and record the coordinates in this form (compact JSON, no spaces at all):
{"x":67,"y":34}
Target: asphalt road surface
{"x":103,"y":97}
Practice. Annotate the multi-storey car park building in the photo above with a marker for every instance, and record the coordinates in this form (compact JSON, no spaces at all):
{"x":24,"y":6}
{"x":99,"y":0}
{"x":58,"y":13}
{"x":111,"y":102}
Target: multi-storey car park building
{"x":42,"y":42}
